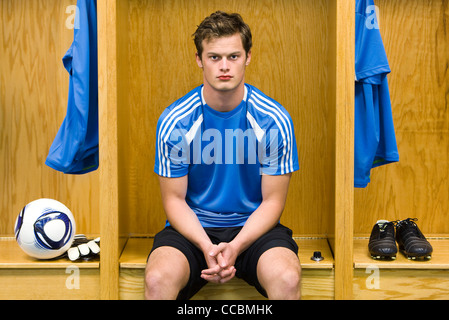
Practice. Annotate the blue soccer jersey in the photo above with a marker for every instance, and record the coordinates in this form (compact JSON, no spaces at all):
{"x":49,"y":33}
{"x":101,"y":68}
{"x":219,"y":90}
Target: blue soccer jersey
{"x":75,"y":147}
{"x":225,"y":153}
{"x":375,"y":139}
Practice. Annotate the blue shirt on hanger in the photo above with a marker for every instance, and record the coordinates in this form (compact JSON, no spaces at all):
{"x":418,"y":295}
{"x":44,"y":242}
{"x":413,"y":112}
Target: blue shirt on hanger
{"x":75,"y":147}
{"x":375,"y":139}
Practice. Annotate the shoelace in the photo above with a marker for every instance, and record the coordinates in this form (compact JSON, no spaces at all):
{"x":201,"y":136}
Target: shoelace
{"x":410,"y":222}
{"x":383,"y":228}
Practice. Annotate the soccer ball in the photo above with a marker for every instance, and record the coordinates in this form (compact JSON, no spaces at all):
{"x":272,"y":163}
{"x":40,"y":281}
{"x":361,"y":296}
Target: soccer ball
{"x":45,"y":229}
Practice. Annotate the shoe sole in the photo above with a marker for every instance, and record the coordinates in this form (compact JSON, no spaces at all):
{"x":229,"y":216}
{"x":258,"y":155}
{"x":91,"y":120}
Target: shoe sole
{"x":383,"y":257}
{"x":415,"y":256}
{"x":424,"y":257}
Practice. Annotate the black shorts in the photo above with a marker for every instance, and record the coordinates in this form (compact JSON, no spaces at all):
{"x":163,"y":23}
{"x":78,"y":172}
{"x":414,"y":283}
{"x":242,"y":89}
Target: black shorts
{"x":245,"y":264}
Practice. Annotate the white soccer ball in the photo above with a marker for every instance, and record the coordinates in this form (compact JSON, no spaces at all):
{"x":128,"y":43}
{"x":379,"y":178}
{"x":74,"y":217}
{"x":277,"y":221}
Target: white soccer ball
{"x":45,"y":229}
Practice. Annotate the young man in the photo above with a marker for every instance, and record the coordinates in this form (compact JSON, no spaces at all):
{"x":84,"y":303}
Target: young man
{"x":224,"y":155}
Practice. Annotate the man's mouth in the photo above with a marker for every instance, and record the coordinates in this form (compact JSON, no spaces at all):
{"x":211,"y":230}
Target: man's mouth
{"x":225,"y":77}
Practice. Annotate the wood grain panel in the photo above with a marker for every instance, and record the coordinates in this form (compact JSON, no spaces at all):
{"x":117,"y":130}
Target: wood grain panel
{"x":341,"y":69}
{"x":49,"y":284}
{"x":33,"y":104}
{"x":415,"y":35}
{"x":405,"y":284}
{"x":109,"y":101}
{"x":289,"y":63}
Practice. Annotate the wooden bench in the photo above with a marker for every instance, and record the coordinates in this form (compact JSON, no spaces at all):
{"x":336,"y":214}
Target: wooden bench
{"x":317,"y":277}
{"x":401,"y":278}
{"x":23,"y":277}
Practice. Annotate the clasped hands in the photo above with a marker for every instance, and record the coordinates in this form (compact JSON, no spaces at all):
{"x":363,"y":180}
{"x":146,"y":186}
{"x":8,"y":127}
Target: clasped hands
{"x":220,"y":260}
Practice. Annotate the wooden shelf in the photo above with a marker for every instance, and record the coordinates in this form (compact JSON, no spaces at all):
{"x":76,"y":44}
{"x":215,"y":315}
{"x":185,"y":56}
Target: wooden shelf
{"x":11,"y":256}
{"x":402,"y":278}
{"x":440,"y":257}
{"x":49,"y":279}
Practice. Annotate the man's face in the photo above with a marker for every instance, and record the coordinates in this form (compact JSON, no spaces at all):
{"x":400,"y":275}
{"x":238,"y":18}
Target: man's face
{"x":223,"y":62}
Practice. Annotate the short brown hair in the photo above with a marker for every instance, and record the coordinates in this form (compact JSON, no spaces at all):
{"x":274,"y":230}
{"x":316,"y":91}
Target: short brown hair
{"x":221,"y":24}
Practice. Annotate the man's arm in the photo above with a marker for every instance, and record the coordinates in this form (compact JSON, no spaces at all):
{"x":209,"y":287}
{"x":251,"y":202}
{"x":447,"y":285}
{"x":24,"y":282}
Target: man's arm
{"x":263,"y":219}
{"x":179,"y":214}
{"x":267,"y":215}
{"x":185,"y":221}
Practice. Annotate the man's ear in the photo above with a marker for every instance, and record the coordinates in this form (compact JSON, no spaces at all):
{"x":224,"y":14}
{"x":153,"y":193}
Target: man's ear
{"x":248,"y":57}
{"x":198,"y":60}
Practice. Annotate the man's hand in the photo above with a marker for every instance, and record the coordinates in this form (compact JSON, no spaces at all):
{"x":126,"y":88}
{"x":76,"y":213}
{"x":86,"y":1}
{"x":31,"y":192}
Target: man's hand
{"x":220,"y":260}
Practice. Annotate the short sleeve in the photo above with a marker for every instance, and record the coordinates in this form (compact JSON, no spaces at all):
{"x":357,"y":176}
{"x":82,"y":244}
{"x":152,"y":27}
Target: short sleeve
{"x":279,"y":154}
{"x":172,"y":151}
{"x":370,"y":56}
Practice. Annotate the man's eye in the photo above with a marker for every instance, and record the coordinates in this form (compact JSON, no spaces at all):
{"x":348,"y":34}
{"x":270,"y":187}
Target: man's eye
{"x":213,"y":58}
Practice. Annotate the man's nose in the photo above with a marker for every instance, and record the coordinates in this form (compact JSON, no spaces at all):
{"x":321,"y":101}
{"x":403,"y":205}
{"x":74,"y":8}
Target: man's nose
{"x":224,"y":64}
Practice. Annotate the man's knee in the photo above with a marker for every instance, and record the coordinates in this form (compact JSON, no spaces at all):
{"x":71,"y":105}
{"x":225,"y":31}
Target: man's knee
{"x":166,"y":274}
{"x":290,"y":280}
{"x":279,"y":272}
{"x":154,"y":279}
{"x":285,"y":284}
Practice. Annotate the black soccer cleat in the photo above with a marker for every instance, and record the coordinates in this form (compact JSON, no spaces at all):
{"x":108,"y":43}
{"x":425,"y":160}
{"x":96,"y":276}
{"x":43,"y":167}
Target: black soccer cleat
{"x":412,"y":243}
{"x":382,"y":243}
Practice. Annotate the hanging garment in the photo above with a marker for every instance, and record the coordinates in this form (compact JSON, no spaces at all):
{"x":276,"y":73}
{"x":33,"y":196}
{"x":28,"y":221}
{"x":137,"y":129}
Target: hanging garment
{"x":375,"y":139}
{"x":75,"y":147}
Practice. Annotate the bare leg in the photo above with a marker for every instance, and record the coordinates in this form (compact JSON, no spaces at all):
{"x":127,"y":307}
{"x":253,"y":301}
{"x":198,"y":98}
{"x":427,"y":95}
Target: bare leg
{"x":279,"y":273}
{"x":167,"y":272}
